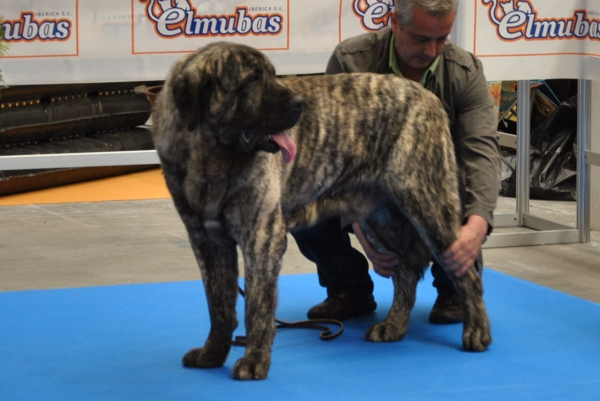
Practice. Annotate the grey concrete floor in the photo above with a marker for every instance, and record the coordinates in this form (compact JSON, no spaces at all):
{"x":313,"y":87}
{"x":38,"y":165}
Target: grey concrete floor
{"x":109,"y":243}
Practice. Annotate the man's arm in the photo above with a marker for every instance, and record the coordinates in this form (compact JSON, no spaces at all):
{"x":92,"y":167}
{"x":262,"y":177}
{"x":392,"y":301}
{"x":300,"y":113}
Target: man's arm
{"x":476,"y":129}
{"x":476,"y":125}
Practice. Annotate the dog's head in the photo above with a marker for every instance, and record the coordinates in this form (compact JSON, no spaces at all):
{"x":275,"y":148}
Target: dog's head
{"x":230,"y":91}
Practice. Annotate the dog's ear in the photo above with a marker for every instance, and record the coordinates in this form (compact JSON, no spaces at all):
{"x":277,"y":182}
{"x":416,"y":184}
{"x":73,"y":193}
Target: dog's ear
{"x":190,"y":89}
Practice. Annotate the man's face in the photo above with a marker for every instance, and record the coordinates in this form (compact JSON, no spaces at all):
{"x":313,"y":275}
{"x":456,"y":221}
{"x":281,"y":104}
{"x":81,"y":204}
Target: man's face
{"x":419,"y":43}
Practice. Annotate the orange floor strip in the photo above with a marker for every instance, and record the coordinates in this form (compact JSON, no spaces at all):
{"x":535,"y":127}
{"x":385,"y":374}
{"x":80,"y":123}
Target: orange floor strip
{"x":148,"y":184}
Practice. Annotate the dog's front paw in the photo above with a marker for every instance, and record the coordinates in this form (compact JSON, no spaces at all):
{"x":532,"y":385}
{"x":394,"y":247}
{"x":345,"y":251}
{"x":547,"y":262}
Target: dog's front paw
{"x":202,"y":358}
{"x":385,"y":332}
{"x":476,"y":338}
{"x":251,"y":368}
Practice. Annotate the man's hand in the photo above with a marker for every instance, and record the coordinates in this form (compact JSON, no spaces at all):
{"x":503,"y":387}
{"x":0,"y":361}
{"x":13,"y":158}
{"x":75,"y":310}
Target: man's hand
{"x":457,"y":259}
{"x":383,"y":263}
{"x":462,"y":254}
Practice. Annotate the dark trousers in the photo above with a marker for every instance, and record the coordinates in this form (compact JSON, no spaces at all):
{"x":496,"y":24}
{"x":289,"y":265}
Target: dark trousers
{"x":341,"y":268}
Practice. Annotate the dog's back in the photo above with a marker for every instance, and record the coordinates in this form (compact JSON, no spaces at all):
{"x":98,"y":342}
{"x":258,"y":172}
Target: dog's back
{"x":361,"y":137}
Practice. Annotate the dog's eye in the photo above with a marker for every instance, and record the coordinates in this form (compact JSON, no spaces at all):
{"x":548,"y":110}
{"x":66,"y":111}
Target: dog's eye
{"x":246,"y":137}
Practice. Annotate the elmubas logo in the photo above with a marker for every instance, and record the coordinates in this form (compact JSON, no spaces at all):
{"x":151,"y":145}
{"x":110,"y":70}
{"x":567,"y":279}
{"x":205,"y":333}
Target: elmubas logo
{"x":373,"y":14}
{"x":174,"y":18}
{"x":515,"y":20}
{"x":28,"y":28}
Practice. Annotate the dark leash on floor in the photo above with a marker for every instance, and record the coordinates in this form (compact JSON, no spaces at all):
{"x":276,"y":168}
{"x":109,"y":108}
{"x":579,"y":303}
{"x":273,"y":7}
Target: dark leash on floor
{"x":318,"y":324}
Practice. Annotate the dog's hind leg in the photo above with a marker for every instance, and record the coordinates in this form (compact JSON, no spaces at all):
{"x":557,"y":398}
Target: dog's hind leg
{"x":395,"y":325}
{"x":436,"y":214}
{"x":476,"y":329}
{"x":388,"y":230}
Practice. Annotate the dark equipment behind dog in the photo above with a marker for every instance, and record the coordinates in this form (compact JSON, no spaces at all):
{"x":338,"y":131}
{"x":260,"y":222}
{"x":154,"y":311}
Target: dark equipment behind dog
{"x":370,"y":148}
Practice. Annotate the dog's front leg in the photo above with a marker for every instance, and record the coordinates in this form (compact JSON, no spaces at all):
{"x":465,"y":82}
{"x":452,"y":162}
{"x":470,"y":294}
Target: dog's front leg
{"x":217,"y":258}
{"x":263,"y":254}
{"x":216,"y":254}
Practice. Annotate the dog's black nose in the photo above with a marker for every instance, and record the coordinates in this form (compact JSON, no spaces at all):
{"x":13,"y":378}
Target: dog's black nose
{"x":297,"y":103}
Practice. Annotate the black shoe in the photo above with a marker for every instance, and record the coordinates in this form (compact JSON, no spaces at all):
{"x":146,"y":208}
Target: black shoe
{"x":343,"y":306}
{"x":446,"y":310}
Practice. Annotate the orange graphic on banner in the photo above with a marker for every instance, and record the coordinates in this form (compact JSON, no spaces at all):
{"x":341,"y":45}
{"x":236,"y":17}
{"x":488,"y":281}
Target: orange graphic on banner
{"x":373,"y":15}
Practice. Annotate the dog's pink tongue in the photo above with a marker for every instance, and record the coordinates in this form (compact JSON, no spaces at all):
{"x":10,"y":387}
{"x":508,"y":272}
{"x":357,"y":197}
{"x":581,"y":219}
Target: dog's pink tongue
{"x":287,"y":146}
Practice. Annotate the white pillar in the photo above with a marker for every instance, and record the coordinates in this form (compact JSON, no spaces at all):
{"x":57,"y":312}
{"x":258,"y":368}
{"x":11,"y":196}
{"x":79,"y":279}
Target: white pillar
{"x":595,"y":170}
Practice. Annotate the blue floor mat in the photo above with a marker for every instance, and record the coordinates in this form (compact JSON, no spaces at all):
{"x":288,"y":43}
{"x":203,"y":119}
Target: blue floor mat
{"x":126,"y":343}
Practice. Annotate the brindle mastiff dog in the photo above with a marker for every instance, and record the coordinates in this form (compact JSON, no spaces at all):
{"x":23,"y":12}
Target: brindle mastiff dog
{"x":248,"y":157}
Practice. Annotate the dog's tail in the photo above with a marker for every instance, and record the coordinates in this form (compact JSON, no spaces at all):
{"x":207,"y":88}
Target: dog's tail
{"x":428,"y":186}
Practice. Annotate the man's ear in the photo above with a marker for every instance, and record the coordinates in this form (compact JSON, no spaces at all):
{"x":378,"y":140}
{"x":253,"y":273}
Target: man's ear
{"x":394,"y":20}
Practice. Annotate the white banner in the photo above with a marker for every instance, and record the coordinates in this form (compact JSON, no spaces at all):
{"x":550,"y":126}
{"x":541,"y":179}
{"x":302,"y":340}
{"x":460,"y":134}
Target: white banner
{"x":74,"y":41}
{"x":532,"y":39}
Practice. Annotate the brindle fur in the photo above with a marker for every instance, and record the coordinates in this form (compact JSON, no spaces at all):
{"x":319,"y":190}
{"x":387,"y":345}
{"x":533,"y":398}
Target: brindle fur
{"x":371,"y":148}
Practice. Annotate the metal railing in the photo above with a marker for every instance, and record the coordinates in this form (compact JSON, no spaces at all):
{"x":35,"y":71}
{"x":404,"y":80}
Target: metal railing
{"x":542,"y":231}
